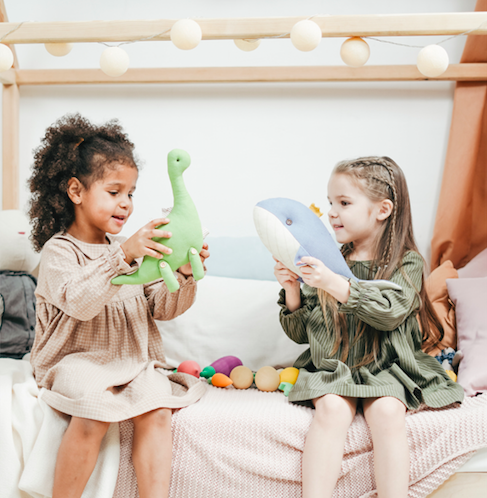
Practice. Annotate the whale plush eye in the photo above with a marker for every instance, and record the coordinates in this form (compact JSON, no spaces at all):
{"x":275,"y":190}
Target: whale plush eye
{"x":289,"y":222}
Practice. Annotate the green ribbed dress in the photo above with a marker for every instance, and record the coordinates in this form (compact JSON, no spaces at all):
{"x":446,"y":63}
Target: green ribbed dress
{"x":402,"y":369}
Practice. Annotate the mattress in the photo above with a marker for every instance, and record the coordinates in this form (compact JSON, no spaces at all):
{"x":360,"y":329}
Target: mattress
{"x":478,"y":463}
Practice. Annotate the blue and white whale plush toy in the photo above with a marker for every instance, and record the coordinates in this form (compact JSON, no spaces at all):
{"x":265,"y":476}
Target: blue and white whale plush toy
{"x":291,"y":231}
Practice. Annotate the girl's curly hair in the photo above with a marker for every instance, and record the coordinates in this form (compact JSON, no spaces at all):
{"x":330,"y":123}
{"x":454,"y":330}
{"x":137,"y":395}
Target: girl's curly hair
{"x":72,"y":147}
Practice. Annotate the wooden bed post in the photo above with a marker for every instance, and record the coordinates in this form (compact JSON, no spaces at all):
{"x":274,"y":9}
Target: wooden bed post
{"x":10,"y":146}
{"x":10,"y":132}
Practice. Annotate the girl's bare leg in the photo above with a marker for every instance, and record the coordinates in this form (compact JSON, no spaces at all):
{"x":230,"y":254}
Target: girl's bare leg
{"x":386,"y":419}
{"x":152,"y":453}
{"x":77,"y":456}
{"x":323,"y":450}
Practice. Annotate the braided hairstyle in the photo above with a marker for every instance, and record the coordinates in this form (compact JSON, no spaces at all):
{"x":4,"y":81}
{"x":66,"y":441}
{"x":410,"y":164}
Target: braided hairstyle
{"x":71,"y":147}
{"x":381,"y":178}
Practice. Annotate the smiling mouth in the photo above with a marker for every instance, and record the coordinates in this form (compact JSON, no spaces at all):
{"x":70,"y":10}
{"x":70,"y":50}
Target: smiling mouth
{"x":119,"y":218}
{"x":337,"y":227}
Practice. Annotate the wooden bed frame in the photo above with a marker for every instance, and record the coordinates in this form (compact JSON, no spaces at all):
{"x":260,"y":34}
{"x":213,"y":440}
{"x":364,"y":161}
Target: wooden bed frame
{"x":473,"y":485}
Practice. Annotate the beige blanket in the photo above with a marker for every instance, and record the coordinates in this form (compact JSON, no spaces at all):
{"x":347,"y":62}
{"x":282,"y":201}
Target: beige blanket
{"x":249,"y":444}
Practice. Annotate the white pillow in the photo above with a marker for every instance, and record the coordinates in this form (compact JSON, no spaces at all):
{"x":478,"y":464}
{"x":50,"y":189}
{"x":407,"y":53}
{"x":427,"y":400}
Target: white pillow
{"x":231,"y":316}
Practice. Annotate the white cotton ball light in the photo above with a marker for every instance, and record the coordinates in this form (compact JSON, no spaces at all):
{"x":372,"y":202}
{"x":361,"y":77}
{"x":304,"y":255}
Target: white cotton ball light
{"x":432,"y":61}
{"x":6,"y":57}
{"x":306,"y":35}
{"x":247,"y":45}
{"x":59,"y":49}
{"x":186,"y":34}
{"x":355,"y":52}
{"x":114,"y":61}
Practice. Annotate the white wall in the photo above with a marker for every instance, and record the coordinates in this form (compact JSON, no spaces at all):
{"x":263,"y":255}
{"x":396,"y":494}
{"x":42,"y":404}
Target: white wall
{"x":249,"y":142}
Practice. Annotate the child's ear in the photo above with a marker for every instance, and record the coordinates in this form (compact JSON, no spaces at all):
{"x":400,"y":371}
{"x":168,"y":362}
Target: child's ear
{"x":74,"y":190}
{"x":385,"y":209}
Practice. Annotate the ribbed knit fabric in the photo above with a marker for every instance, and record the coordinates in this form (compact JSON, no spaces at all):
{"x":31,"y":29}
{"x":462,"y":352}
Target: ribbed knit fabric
{"x":248,"y":444}
{"x":402,"y":369}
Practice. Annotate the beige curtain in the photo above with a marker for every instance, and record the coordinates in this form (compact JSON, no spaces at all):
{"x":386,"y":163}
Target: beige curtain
{"x":460,"y":231}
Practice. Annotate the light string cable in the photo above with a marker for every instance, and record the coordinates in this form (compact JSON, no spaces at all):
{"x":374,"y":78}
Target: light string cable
{"x":138,"y":40}
{"x":12,"y":30}
{"x":269,"y":37}
{"x":422,"y":46}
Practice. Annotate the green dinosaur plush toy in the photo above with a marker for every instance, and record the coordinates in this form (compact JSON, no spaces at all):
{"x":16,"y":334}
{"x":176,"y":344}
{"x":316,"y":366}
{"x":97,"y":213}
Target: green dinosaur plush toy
{"x":187,"y":235}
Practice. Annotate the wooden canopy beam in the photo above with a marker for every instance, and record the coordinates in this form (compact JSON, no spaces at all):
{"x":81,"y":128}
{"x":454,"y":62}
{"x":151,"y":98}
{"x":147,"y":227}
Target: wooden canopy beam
{"x":4,"y":18}
{"x":233,"y":28}
{"x":455,"y":72}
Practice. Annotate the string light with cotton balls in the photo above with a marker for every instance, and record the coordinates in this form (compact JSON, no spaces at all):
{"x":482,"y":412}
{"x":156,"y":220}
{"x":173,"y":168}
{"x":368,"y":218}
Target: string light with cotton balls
{"x":59,"y":49}
{"x":247,"y":45}
{"x":306,"y":35}
{"x":355,"y":51}
{"x":114,"y":61}
{"x":6,"y":57}
{"x":186,"y":34}
{"x":432,"y":61}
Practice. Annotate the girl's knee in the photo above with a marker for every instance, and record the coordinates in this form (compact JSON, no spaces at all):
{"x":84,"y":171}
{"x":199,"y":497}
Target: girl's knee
{"x":334,"y":408}
{"x":89,"y":429}
{"x":158,"y":418}
{"x":385,"y":413}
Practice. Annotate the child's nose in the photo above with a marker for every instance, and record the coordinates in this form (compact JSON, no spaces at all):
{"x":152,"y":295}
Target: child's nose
{"x":124,"y":201}
{"x":332,"y":213}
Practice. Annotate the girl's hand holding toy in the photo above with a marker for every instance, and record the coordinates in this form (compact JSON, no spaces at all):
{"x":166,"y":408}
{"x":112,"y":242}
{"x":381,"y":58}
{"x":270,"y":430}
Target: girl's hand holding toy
{"x":316,"y":274}
{"x":187,"y":270}
{"x":287,"y":278}
{"x":141,"y":243}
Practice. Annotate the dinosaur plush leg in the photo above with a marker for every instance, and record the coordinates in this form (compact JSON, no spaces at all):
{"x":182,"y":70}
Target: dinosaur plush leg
{"x":196,"y":264}
{"x":167,"y":274}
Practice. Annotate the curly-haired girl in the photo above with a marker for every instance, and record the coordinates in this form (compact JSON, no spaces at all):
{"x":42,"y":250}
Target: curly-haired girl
{"x":97,"y":353}
{"x":365,"y":343}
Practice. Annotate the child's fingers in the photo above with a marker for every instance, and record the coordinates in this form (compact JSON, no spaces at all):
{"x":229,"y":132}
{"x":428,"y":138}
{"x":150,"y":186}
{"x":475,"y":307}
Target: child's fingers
{"x":159,"y":247}
{"x":158,"y":221}
{"x":204,"y":254}
{"x":279,"y":266}
{"x":310,"y":261}
{"x":160,"y":234}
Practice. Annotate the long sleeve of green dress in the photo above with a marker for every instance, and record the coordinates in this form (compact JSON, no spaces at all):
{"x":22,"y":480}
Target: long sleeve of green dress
{"x":401,"y":370}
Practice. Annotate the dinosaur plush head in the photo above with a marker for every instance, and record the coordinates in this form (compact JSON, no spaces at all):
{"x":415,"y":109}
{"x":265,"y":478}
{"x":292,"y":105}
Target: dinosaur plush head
{"x":177,"y":162}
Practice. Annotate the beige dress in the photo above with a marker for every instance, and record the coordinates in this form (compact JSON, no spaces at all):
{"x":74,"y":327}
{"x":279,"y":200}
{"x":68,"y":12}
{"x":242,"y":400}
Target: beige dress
{"x":97,"y":351}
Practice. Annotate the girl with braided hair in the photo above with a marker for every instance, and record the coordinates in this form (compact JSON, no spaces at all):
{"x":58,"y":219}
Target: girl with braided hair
{"x":365,"y":344}
{"x":98,"y":355}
